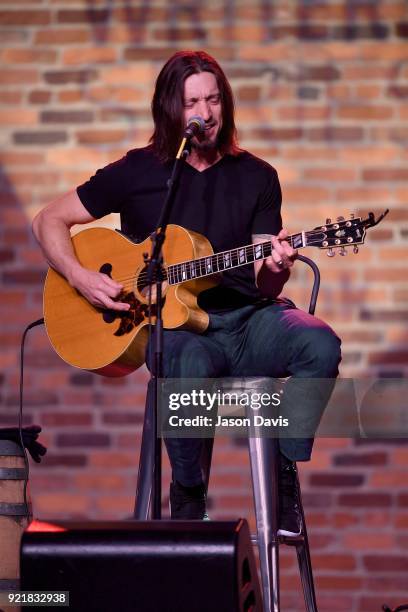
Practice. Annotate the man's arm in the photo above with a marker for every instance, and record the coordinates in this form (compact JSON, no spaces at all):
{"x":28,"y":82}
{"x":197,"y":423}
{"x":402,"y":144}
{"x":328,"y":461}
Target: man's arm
{"x":272,"y":273}
{"x":51,"y":228}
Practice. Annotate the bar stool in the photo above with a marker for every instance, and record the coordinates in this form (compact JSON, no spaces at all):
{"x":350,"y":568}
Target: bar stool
{"x":264,"y":454}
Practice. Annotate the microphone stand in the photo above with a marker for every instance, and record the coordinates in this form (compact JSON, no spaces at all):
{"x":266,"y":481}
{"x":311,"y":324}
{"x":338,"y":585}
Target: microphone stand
{"x":155,"y":349}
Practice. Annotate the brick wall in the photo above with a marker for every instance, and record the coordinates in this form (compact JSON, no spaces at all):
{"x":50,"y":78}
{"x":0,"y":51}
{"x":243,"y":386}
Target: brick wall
{"x":321,"y":90}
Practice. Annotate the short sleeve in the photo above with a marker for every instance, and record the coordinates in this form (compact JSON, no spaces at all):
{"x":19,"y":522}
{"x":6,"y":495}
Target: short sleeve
{"x":267,"y":218}
{"x":107,"y":189}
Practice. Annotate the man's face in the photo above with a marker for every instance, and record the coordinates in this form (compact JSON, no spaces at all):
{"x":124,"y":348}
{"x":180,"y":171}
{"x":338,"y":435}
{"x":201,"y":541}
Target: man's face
{"x":202,"y":98}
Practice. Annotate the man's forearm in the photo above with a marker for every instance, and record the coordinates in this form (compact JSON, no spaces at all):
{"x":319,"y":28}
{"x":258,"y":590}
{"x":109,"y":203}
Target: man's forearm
{"x":54,"y":238}
{"x":270,"y":283}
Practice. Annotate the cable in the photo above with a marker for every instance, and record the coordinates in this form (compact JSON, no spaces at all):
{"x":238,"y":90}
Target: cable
{"x":20,"y":415}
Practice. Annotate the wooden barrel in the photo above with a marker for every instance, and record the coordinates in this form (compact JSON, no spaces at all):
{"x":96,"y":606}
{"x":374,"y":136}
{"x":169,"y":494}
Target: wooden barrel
{"x":13,"y":512}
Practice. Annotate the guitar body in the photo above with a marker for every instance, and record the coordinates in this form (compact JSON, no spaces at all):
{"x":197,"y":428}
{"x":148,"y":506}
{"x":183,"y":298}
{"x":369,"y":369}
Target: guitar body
{"x":111,"y":343}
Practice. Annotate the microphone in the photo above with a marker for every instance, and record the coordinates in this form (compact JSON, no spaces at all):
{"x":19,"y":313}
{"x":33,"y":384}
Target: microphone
{"x":195,"y":126}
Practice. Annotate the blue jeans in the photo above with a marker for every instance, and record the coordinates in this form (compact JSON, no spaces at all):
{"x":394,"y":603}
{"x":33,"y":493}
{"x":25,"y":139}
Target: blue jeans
{"x":272,"y":339}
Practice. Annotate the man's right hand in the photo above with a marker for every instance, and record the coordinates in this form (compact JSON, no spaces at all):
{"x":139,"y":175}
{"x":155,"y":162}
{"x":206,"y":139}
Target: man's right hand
{"x":98,"y":288}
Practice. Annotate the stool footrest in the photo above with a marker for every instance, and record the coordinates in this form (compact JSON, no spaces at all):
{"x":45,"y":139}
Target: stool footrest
{"x":289,"y":540}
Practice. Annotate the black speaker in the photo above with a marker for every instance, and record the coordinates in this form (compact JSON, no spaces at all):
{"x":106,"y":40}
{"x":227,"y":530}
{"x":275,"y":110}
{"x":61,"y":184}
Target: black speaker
{"x":154,"y":566}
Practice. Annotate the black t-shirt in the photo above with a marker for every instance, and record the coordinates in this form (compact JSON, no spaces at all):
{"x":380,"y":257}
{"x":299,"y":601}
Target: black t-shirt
{"x":236,"y":197}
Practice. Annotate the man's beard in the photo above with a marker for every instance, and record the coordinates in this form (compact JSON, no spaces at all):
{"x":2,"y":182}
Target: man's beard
{"x":205,"y":145}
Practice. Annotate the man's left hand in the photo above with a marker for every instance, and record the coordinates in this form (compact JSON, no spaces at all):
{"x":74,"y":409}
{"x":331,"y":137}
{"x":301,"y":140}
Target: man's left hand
{"x":283,"y":255}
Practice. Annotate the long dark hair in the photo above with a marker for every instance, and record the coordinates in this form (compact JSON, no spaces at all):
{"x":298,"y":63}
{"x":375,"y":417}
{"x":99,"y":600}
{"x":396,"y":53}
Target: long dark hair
{"x":168,"y":103}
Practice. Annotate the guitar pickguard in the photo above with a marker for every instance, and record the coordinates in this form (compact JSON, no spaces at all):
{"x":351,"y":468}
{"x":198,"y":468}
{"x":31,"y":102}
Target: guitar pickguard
{"x":136,"y":314}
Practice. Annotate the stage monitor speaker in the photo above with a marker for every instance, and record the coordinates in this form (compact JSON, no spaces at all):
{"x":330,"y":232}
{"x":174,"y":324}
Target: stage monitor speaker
{"x":153,"y":566}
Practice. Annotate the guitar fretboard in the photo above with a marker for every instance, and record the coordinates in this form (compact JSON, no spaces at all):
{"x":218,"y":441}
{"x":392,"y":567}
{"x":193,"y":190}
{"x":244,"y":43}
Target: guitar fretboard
{"x":226,"y":260}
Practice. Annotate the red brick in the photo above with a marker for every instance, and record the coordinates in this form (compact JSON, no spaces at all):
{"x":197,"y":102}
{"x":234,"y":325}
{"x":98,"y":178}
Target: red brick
{"x":385,"y":174}
{"x":333,"y":133}
{"x":100,"y":483}
{"x":39,"y":96}
{"x":387,"y":584}
{"x":19,"y":76}
{"x":40,"y":137}
{"x":112,"y":460}
{"x":348,"y":583}
{"x":67,"y":503}
{"x":62,"y":419}
{"x":90,"y":15}
{"x":122,"y":418}
{"x":58,"y":460}
{"x":24,"y":17}
{"x":62,"y":77}
{"x":100,"y":136}
{"x":60,"y":36}
{"x":389,"y":356}
{"x":94,"y":55}
{"x":29,"y":56}
{"x":342,"y":562}
{"x":66,"y":116}
{"x":116,"y":503}
{"x":277,"y":134}
{"x":386,"y":563}
{"x":248,"y":93}
{"x":365,"y":500}
{"x":336,"y":480}
{"x":366,"y":459}
{"x":10,"y":97}
{"x":133,"y":54}
{"x":88,"y":439}
{"x":369,"y":541}
{"x":364,"y":112}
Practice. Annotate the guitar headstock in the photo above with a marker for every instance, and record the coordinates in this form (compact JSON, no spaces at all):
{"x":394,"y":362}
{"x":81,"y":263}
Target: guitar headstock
{"x":342,"y":233}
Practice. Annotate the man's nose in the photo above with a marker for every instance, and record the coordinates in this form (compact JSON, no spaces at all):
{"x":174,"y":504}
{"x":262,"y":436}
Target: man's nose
{"x":204,"y":110}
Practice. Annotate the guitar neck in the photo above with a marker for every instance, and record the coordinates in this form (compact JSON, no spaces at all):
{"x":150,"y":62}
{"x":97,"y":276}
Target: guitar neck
{"x":234,"y":258}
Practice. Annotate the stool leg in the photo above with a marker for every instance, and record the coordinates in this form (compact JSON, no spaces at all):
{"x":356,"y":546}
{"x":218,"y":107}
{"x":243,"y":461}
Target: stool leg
{"x":305,"y":563}
{"x":264,"y":467}
{"x":146,"y":462}
{"x":205,"y":460}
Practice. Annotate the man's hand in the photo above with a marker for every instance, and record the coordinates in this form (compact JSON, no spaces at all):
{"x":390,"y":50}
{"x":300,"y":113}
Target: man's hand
{"x":283,"y":255}
{"x":98,"y":288}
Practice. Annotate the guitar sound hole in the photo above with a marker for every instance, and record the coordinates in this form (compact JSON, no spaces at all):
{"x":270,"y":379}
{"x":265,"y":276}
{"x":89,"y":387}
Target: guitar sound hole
{"x":143,"y":286}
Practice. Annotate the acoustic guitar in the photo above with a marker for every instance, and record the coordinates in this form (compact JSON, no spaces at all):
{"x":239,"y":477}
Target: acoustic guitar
{"x":113,"y":343}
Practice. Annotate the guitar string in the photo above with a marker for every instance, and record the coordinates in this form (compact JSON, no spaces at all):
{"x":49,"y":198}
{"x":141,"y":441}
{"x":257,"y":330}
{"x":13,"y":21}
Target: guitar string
{"x":177,"y":268}
{"x":143,"y":275}
{"x":128,"y":281}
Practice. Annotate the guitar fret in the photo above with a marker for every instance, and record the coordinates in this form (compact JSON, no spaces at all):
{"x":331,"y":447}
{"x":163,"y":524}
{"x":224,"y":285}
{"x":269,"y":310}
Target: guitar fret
{"x":205,"y":266}
{"x":258,"y":251}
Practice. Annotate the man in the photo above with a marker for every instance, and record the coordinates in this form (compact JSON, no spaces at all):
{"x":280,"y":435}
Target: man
{"x":233,"y":198}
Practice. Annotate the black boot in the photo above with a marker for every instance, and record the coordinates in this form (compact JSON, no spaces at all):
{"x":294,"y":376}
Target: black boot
{"x":187,"y":503}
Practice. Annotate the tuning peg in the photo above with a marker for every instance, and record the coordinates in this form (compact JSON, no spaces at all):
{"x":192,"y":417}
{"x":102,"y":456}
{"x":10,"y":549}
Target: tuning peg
{"x":352,"y":215}
{"x":343,"y":251}
{"x":340,"y":219}
{"x":330,"y":253}
{"x":355,"y":249}
{"x":328,"y":221}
